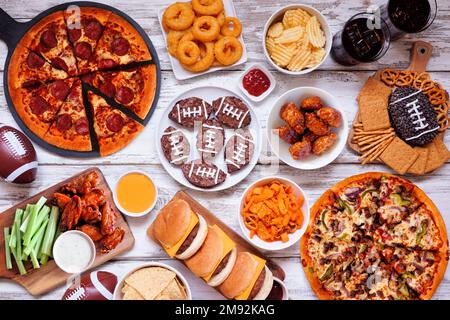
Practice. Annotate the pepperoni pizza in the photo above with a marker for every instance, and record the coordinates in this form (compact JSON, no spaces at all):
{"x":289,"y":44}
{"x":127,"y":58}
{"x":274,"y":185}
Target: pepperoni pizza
{"x":64,"y":53}
{"x":374,"y":236}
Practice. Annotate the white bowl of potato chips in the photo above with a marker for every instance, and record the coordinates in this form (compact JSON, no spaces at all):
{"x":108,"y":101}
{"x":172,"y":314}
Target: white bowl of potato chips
{"x":297,"y":39}
{"x":153,"y":281}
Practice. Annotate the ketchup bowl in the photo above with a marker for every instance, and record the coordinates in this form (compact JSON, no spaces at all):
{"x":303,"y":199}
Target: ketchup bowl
{"x":256,"y":82}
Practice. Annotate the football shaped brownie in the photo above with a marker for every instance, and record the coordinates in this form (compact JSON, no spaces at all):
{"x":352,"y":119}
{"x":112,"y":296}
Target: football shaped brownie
{"x":239,"y":150}
{"x":232,"y":112}
{"x":210,"y":139}
{"x":203,"y":175}
{"x":187,"y":111}
{"x":175,"y":146}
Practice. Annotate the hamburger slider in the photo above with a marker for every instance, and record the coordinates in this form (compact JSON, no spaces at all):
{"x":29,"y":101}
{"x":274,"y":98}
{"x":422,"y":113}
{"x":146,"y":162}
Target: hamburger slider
{"x":215,"y":259}
{"x":180,"y":231}
{"x":250,"y":279}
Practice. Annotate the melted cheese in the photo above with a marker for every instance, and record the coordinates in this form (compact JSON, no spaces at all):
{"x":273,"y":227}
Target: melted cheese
{"x":261,"y":264}
{"x":173,"y":250}
{"x":228,"y":245}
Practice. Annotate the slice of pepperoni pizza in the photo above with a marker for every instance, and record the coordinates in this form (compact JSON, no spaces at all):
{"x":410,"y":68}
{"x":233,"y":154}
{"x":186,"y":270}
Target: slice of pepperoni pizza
{"x":27,"y":69}
{"x":120,"y":44}
{"x":70,"y":130}
{"x":85,"y":27}
{"x":133,"y":88}
{"x":49,"y":38}
{"x":114,"y":129}
{"x":39,"y":106}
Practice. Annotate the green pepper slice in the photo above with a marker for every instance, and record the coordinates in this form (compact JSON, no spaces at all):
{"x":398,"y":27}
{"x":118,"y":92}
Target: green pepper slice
{"x":423,"y":231}
{"x":344,"y":205}
{"x":323,"y":219}
{"x":327,"y":274}
{"x":399,"y":200}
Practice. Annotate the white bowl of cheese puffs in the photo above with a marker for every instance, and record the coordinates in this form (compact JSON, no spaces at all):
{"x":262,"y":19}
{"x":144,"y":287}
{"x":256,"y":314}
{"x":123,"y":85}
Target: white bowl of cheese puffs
{"x":297,"y":39}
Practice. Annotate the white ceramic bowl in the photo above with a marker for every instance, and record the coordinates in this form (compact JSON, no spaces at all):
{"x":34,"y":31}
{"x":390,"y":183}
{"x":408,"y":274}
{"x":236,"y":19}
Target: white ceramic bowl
{"x":126,"y":212}
{"x":293,"y":237}
{"x":118,"y":291}
{"x":60,"y":240}
{"x":283,"y":287}
{"x":273,"y":82}
{"x":278,"y":16}
{"x":281,"y":148}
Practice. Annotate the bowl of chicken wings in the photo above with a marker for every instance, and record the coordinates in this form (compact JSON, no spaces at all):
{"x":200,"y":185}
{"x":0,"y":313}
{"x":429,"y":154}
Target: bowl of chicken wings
{"x":307,"y":128}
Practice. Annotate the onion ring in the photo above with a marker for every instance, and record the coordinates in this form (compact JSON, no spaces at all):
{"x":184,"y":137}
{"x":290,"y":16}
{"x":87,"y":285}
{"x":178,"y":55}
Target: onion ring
{"x":188,"y":52}
{"x":179,"y":16}
{"x":207,"y":7}
{"x":173,"y":39}
{"x":231,"y":27}
{"x":206,"y":29}
{"x":206,"y":61}
{"x":228,"y":50}
{"x":221,"y":18}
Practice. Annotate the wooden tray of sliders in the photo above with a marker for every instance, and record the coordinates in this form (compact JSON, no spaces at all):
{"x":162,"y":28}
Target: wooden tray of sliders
{"x":379,"y":143}
{"x":49,"y":276}
{"x":241,"y":244}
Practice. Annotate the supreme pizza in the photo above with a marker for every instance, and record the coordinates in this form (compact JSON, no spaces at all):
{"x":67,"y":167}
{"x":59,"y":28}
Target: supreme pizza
{"x":69,"y":52}
{"x":374,"y":236}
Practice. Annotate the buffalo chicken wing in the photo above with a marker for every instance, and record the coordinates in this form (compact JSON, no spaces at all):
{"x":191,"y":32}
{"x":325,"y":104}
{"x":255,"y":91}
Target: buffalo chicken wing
{"x":111,"y":241}
{"x":293,"y":116}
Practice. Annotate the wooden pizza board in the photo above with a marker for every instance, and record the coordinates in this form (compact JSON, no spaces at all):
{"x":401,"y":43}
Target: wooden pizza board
{"x":48,"y":277}
{"x":241,"y":244}
{"x":420,"y":55}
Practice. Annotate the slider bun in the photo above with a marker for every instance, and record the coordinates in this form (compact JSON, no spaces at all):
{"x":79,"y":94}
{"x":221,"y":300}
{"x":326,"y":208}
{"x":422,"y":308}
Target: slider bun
{"x":197,"y":242}
{"x":209,"y":255}
{"x":219,"y":278}
{"x":172,"y":222}
{"x":240,"y":277}
{"x":266,"y":286}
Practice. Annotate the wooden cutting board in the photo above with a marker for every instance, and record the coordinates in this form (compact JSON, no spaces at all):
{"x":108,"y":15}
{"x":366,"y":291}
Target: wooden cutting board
{"x":420,"y":55}
{"x":211,"y":219}
{"x":48,"y":277}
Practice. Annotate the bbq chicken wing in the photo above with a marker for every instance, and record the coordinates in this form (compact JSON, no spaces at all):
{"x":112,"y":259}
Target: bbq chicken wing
{"x":83,"y":184}
{"x":330,"y":116}
{"x":300,"y":150}
{"x":94,"y":198}
{"x":92,"y":231}
{"x":311,"y":103}
{"x":323,"y":143}
{"x":91,"y":215}
{"x":61,"y":199}
{"x":108,"y":220}
{"x":293,"y":116}
{"x":316,"y":125}
{"x":71,"y":214}
{"x":111,"y":241}
{"x":287,"y":134}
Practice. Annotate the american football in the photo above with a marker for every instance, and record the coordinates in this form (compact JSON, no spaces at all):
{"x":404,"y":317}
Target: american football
{"x":175,"y":146}
{"x":203,"y":175}
{"x":17,"y":156}
{"x":96,"y":285}
{"x":210,"y":139}
{"x":239,"y":150}
{"x":232,"y":112}
{"x":187,"y":111}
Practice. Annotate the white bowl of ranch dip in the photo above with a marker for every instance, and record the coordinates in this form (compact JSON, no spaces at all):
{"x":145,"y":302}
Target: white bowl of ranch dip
{"x":74,"y":252}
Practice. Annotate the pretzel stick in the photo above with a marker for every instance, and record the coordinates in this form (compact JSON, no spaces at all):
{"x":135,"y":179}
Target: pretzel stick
{"x":371,"y":138}
{"x":381,"y":150}
{"x":374,"y":132}
{"x":368,"y":153}
{"x":375,"y":153}
{"x":376,"y":143}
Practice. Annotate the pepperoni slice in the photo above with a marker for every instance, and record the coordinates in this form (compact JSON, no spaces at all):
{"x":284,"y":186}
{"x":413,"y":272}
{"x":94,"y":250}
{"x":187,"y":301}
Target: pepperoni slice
{"x":93,"y":30}
{"x":124,"y":95}
{"x":48,"y":39}
{"x":88,"y":78}
{"x":108,"y":89}
{"x":74,"y":35}
{"x":34,"y":61}
{"x":31,"y":84}
{"x":38,"y":105}
{"x":64,"y":122}
{"x":74,"y":94}
{"x":83,"y":50}
{"x":60,"y":64}
{"x":120,"y":46}
{"x":59,"y":89}
{"x":114,"y":122}
{"x":82,"y":126}
{"x":106,"y":64}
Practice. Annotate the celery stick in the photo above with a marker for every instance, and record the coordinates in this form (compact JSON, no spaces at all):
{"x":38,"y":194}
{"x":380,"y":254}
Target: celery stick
{"x":51,"y":231}
{"x":33,"y":217}
{"x":38,"y":246}
{"x":19,"y":263}
{"x":12,"y":238}
{"x":44,"y":259}
{"x":28,"y":210}
{"x":34,"y":259}
{"x":42,"y":215}
{"x":35,"y":238}
{"x":18,"y":235}
{"x":24,"y":256}
{"x":7,"y":251}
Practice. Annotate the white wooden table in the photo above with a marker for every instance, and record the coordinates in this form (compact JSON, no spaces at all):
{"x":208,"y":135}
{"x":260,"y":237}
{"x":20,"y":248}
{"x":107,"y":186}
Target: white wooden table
{"x":343,"y":82}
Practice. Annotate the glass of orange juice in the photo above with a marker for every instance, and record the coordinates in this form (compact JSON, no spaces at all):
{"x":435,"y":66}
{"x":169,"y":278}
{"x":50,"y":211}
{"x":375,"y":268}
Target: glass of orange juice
{"x":135,"y":193}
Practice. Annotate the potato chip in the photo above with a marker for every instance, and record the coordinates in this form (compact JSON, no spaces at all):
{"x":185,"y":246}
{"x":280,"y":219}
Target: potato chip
{"x":295,"y":17}
{"x":172,"y":292}
{"x":290,"y":35}
{"x":270,"y":45}
{"x":315,"y":33}
{"x":300,"y":60}
{"x":282,"y":54}
{"x":149,"y":282}
{"x":316,"y":57}
{"x":129,"y":293}
{"x":275,"y":30}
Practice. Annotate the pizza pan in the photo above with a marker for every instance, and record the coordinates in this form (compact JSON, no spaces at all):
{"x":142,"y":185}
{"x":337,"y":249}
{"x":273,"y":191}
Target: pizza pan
{"x":12,"y":31}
